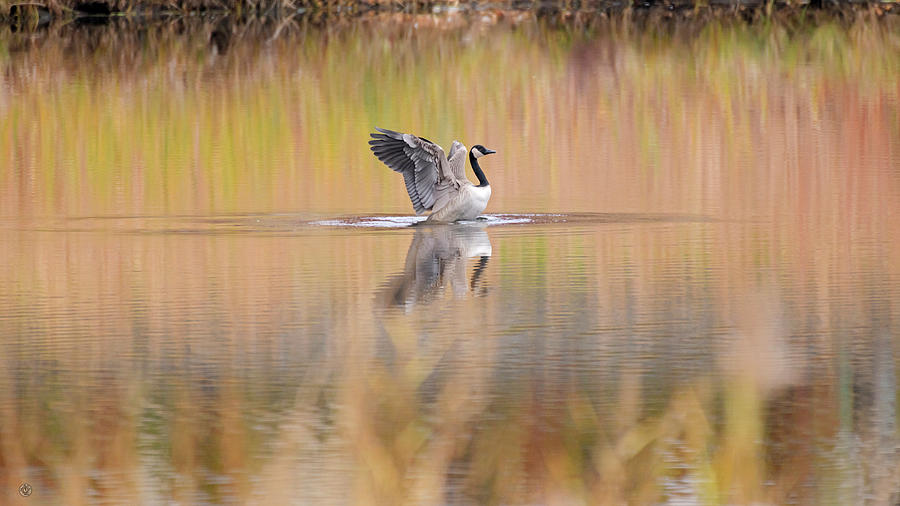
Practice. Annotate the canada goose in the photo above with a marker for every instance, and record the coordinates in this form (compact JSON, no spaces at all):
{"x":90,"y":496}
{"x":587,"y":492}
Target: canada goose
{"x":437,"y":260}
{"x":434,"y":181}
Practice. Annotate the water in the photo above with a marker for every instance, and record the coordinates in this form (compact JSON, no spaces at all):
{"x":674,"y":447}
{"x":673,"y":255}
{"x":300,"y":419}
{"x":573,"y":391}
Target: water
{"x":684,"y":290}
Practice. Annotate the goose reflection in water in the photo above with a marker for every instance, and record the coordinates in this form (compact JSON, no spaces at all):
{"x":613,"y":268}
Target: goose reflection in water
{"x":437,"y":260}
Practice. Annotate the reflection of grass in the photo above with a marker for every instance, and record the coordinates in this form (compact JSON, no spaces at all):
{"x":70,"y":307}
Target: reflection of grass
{"x":218,"y":363}
{"x":284,"y":126}
{"x":253,"y":388}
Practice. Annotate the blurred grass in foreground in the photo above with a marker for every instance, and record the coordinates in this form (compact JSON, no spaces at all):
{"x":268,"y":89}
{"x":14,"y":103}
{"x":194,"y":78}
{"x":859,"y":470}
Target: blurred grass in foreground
{"x":215,"y":368}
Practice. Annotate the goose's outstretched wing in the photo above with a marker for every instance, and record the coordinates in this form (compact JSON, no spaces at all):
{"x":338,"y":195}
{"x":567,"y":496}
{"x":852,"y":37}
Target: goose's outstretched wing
{"x":422,"y":163}
{"x":457,"y":160}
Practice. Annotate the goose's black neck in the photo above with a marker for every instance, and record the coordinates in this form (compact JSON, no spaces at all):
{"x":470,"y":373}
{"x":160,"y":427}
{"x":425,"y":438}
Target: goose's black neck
{"x":482,"y":181}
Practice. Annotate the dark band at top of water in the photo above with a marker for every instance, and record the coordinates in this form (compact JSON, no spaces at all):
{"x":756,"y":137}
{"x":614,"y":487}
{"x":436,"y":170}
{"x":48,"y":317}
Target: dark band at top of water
{"x":33,"y":15}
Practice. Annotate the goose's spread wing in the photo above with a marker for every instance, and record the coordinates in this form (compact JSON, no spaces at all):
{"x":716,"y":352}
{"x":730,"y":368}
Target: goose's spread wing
{"x":456,"y":172}
{"x":422,"y":163}
{"x":457,"y":160}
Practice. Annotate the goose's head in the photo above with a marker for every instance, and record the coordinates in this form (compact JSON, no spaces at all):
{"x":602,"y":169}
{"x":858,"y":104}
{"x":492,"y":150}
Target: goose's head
{"x":478,"y":151}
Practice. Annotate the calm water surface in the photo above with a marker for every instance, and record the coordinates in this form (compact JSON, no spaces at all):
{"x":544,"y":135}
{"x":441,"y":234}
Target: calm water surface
{"x":685,"y":291}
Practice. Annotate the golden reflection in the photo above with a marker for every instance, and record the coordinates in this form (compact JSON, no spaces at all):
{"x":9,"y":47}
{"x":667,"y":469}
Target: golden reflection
{"x":180,"y":354}
{"x":437,"y":261}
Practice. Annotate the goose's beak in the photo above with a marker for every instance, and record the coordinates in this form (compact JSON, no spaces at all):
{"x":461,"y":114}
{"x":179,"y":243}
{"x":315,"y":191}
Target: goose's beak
{"x":489,"y":151}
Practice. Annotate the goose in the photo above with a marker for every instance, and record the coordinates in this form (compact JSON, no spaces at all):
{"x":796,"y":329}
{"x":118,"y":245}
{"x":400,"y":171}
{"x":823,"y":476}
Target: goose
{"x":434,"y":181}
{"x":437,"y":262}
